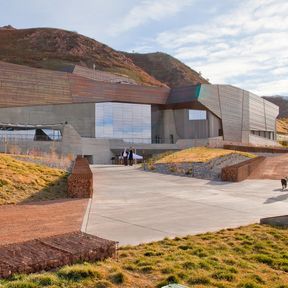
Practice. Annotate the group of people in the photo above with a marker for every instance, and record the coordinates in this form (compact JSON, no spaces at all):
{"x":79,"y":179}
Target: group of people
{"x":128,"y":156}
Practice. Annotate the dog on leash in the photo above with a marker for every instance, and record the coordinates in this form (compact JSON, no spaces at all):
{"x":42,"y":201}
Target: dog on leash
{"x":284,"y":183}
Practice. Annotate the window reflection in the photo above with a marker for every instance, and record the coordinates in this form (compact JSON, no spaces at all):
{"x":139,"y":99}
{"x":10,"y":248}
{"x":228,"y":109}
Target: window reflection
{"x":130,"y":122}
{"x":197,"y":115}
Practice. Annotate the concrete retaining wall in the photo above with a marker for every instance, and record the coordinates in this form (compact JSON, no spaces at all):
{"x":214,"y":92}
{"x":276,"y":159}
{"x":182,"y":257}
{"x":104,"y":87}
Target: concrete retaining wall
{"x":80,"y":182}
{"x":241,"y":171}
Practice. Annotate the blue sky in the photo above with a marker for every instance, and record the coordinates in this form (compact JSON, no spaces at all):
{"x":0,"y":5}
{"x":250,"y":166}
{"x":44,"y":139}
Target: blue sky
{"x":243,"y":43}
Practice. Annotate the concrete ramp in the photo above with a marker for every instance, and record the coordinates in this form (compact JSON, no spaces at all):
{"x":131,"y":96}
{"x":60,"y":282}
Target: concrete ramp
{"x":273,"y":168}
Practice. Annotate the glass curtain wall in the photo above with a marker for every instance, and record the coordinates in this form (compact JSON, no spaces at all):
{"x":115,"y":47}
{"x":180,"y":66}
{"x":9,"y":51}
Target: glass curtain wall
{"x":130,"y":122}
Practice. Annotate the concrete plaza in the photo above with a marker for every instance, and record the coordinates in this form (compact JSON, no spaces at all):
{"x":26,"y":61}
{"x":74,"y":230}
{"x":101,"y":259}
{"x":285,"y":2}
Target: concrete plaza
{"x":134,"y":206}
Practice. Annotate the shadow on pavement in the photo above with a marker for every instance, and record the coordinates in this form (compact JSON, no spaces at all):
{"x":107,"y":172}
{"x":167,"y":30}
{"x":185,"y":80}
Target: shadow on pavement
{"x":276,"y":199}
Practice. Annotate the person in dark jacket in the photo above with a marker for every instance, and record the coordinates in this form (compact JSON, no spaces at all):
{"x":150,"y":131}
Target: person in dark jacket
{"x":130,"y":156}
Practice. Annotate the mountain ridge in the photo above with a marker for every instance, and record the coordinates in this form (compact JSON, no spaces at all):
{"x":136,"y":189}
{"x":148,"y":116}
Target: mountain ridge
{"x":57,"y":49}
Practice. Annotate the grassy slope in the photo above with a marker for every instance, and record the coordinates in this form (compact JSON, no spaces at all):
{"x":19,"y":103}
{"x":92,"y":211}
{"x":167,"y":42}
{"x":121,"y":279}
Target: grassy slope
{"x":197,"y":154}
{"x":22,"y":181}
{"x":246,"y":257}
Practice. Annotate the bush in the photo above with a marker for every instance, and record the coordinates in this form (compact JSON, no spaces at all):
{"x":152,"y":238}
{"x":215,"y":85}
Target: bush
{"x":21,"y":284}
{"x":43,"y":279}
{"x":78,"y":272}
{"x":247,"y":285}
{"x":199,"y":281}
{"x":102,"y":284}
{"x":221,"y":275}
{"x":172,"y":279}
{"x":264,"y":259}
{"x":189,"y":265}
{"x":117,"y":278}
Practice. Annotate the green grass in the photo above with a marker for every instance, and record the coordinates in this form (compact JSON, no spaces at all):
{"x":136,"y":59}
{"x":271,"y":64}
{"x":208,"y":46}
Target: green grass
{"x":23,"y":181}
{"x":254,"y":256}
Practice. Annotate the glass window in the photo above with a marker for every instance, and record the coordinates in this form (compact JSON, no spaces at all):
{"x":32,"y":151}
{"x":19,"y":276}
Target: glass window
{"x":197,"y":115}
{"x":130,"y":122}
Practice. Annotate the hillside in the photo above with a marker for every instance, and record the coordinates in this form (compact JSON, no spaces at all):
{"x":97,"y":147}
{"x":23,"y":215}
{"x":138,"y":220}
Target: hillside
{"x":21,"y":181}
{"x":58,"y":49}
{"x":166,"y":69}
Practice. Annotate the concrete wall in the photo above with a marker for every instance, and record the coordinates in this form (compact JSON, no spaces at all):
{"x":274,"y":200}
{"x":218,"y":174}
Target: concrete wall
{"x":80,"y":116}
{"x":263,"y":114}
{"x":98,"y":149}
{"x":214,"y":125}
{"x":260,"y":141}
{"x":239,"y":110}
{"x":176,"y":122}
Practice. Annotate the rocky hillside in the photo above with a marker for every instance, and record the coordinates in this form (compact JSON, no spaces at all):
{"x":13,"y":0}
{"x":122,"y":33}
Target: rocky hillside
{"x":59,"y":49}
{"x":166,"y":69}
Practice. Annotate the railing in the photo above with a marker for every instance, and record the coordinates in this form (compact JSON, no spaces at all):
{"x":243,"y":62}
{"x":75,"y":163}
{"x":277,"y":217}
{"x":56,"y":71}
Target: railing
{"x":25,"y":137}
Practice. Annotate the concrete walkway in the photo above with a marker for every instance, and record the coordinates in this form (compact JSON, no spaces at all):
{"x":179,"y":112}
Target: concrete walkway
{"x":133,"y":206}
{"x":40,"y":219}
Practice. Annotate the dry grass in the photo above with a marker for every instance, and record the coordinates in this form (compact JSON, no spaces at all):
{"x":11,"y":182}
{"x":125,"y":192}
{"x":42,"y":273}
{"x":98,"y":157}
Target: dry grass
{"x":22,"y":181}
{"x":198,"y":154}
{"x":282,"y":125}
{"x":247,"y":257}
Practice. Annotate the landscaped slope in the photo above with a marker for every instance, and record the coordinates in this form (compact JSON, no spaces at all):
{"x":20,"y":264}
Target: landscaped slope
{"x":248,"y":257}
{"x":167,"y":69}
{"x":198,"y":154}
{"x":22,"y":181}
{"x":58,"y":49}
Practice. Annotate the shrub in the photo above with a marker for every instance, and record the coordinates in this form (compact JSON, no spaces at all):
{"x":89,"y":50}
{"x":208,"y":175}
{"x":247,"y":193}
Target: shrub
{"x":247,"y":285}
{"x":189,"y":265}
{"x":221,"y":275}
{"x":199,"y":281}
{"x":184,"y":247}
{"x":78,"y":272}
{"x":117,"y":278}
{"x":147,"y":269}
{"x":43,"y":279}
{"x":172,"y":279}
{"x":102,"y":284}
{"x":21,"y":284}
{"x":264,"y":259}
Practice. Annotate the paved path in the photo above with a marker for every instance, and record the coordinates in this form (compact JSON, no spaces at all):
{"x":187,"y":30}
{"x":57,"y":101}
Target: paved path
{"x":272,"y":168}
{"x":133,"y":206}
{"x":40,"y":219}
